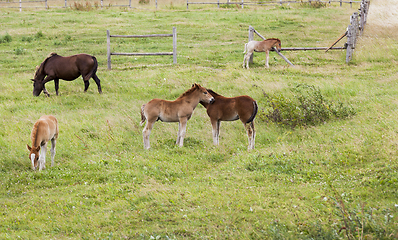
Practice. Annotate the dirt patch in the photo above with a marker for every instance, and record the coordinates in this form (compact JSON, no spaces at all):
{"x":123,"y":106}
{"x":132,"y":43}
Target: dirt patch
{"x":382,"y":19}
{"x":383,"y":13}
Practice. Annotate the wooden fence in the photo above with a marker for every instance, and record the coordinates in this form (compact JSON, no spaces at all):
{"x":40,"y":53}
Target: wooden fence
{"x":174,"y":53}
{"x":356,"y":27}
{"x":242,"y":3}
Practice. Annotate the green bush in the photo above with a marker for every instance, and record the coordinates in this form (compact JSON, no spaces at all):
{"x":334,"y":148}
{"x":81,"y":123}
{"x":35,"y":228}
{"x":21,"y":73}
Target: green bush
{"x":306,"y":107}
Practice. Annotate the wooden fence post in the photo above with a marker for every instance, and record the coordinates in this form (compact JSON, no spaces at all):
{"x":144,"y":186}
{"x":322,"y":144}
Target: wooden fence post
{"x":108,"y":46}
{"x":251,"y":37}
{"x":174,"y":45}
{"x":20,"y":5}
{"x":352,"y":31}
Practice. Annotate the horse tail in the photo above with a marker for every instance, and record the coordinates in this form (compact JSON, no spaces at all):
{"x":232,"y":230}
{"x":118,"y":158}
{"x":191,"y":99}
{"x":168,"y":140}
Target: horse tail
{"x":94,"y":69}
{"x":245,"y":48}
{"x":255,"y":109}
{"x":143,"y":118}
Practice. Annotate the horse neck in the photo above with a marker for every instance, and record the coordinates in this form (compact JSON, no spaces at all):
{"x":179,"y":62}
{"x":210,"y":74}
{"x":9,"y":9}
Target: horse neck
{"x":39,"y":75}
{"x":191,"y":100}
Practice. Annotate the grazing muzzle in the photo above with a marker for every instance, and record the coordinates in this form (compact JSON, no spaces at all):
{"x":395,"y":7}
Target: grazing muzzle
{"x":37,"y":88}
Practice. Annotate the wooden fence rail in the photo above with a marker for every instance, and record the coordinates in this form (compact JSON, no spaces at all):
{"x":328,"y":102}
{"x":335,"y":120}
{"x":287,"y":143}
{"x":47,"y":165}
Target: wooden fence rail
{"x":275,"y":2}
{"x":109,"y":53}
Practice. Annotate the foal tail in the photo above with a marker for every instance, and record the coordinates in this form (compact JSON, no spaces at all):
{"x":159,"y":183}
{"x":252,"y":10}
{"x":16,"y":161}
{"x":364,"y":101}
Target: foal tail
{"x":255,"y":109}
{"x":143,"y":118}
{"x":245,"y":48}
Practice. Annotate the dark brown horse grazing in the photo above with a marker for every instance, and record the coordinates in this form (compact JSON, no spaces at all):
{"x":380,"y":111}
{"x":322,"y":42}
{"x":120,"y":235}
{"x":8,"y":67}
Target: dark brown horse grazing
{"x":231,"y":109}
{"x":179,"y":110}
{"x":56,"y":67}
{"x":260,"y":46}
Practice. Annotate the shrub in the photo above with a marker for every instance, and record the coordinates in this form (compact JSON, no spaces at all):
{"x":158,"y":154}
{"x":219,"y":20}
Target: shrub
{"x":306,"y":107}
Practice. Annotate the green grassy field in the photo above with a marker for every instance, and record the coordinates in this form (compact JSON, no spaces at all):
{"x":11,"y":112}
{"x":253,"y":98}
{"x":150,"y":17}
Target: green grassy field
{"x":335,"y":180}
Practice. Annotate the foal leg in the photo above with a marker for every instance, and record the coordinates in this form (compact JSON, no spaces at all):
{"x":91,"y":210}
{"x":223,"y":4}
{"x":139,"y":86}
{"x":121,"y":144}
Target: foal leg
{"x":182,"y":127}
{"x":248,"y":55}
{"x":216,"y":131}
{"x":146,"y":132}
{"x":97,"y":81}
{"x":267,"y":59}
{"x":53,"y":142}
{"x":42,"y":157}
{"x":251,"y":134}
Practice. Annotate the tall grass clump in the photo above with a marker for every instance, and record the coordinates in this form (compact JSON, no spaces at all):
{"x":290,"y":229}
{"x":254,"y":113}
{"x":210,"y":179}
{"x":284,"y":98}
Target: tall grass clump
{"x":6,"y":38}
{"x":305,"y":107}
{"x":313,"y":4}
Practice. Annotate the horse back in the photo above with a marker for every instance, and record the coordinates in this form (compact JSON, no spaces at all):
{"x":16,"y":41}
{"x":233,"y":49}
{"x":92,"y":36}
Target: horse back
{"x":71,"y":67}
{"x":45,"y":129}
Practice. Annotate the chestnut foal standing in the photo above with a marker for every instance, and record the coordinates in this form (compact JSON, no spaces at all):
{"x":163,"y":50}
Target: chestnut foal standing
{"x":231,"y":109}
{"x":260,"y":46}
{"x":179,"y":110}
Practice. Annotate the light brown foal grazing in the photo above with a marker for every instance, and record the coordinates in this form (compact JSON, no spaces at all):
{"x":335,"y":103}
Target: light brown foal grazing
{"x":231,"y":109}
{"x":260,"y":46}
{"x":44,"y":130}
{"x":179,"y":110}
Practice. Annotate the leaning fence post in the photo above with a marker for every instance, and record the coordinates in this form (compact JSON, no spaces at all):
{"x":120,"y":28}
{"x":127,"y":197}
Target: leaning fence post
{"x":108,"y":46}
{"x":174,"y":45}
{"x":251,"y":37}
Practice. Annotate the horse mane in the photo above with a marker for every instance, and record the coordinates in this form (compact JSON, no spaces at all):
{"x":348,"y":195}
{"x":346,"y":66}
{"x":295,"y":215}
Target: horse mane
{"x":214,"y":94}
{"x":277,"y":39}
{"x":41,"y":67}
{"x":189,"y":91}
{"x":35,"y":134}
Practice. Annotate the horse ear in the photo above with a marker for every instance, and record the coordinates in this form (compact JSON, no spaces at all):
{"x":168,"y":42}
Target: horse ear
{"x":38,"y":148}
{"x":32,"y":80}
{"x":29,"y":148}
